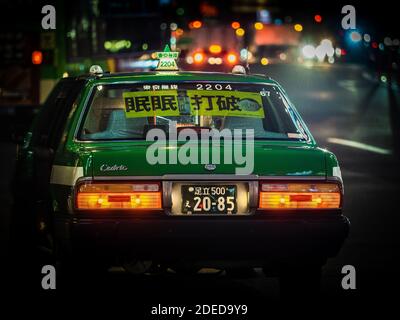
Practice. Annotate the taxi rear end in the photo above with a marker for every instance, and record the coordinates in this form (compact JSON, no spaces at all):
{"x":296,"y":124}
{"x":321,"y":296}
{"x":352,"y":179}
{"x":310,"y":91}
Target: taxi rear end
{"x":257,"y":231}
{"x":120,"y":204}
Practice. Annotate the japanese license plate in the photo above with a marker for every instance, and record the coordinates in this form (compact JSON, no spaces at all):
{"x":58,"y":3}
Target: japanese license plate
{"x":209,"y":199}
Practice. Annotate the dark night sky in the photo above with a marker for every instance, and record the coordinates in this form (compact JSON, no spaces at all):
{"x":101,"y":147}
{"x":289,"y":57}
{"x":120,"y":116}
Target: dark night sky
{"x":380,"y":18}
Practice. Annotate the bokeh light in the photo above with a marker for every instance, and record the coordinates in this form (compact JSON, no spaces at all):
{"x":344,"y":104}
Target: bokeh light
{"x":235,"y":25}
{"x":264,"y":61}
{"x":298,"y":27}
{"x":240,"y":32}
{"x":355,"y":36}
{"x":258,"y":26}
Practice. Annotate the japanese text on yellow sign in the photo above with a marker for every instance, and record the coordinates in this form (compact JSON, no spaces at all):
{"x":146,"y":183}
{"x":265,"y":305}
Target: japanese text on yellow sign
{"x":202,"y":103}
{"x":151,"y":103}
{"x":226,"y":103}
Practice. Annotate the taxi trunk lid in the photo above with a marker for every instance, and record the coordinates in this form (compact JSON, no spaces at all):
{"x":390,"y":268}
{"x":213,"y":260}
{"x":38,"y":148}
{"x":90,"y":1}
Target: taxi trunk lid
{"x":270,"y":159}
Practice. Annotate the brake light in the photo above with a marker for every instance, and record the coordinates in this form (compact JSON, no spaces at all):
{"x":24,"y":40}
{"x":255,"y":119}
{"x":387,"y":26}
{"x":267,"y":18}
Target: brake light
{"x":198,"y":57}
{"x":103,"y":196}
{"x":231,"y":58}
{"x":275,"y":196}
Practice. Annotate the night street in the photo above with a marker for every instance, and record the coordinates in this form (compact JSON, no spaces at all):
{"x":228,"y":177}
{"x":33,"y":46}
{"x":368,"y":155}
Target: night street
{"x":337,"y":102}
{"x":172,"y":159}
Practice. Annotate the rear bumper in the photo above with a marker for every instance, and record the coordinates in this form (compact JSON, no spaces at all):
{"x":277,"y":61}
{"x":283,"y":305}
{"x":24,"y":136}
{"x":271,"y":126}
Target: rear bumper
{"x":258,"y":237}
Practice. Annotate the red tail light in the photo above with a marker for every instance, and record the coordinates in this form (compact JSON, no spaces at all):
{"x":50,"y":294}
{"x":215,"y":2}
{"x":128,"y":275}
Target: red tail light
{"x":231,"y":58}
{"x":198,"y":57}
{"x":121,"y":196}
{"x":275,"y":196}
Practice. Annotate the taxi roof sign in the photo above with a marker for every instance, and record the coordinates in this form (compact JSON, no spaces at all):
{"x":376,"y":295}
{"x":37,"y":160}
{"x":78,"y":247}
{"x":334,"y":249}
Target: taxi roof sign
{"x":167,"y":59}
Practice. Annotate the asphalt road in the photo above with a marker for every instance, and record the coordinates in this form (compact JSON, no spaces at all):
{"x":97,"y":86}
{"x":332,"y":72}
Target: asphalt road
{"x":348,"y":103}
{"x":348,"y":112}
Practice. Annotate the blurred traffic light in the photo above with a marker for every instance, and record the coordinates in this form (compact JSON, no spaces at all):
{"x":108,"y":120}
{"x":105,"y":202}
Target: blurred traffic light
{"x":195,"y":24}
{"x":37,"y":57}
{"x":235,"y":25}
{"x":318,"y":18}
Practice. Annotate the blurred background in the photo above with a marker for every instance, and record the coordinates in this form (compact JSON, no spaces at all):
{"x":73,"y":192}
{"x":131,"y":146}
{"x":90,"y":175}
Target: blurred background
{"x":345,"y":84}
{"x":122,"y":36}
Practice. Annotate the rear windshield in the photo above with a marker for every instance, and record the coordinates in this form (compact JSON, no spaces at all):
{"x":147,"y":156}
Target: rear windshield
{"x":128,"y":111}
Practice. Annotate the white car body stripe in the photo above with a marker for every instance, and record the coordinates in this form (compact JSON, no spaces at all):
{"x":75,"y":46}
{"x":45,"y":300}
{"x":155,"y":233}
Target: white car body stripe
{"x":337,"y":172}
{"x":65,"y":175}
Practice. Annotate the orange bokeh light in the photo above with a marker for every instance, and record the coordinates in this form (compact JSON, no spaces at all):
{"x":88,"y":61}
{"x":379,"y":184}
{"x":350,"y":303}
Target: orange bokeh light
{"x":37,"y":57}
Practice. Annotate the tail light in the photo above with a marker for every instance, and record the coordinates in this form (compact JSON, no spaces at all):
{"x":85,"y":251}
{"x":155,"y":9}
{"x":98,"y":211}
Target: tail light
{"x":198,"y":57}
{"x":121,"y":196}
{"x":231,"y":58}
{"x":275,"y":196}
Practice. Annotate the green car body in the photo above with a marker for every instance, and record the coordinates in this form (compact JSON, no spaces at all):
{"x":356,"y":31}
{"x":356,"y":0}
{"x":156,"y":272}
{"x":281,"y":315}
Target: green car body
{"x":53,"y":161}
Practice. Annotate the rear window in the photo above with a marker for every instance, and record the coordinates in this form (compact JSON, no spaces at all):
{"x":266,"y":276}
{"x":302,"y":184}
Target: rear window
{"x":128,"y":111}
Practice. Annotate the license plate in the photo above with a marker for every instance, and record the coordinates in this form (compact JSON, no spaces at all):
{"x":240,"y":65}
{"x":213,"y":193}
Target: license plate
{"x":209,"y":199}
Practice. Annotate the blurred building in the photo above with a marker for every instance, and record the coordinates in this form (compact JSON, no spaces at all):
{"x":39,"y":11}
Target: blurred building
{"x":112,"y":33}
{"x":87,"y":32}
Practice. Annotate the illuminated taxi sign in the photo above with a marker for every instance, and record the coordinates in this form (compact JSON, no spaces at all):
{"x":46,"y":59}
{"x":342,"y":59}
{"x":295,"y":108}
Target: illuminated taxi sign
{"x":167,"y":59}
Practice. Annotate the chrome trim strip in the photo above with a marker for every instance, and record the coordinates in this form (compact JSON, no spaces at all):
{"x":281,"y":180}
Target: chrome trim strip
{"x":334,"y":179}
{"x":319,"y":178}
{"x":253,"y":195}
{"x":209,"y":177}
{"x":167,"y":195}
{"x":127,"y":178}
{"x":83,"y":112}
{"x":175,"y":177}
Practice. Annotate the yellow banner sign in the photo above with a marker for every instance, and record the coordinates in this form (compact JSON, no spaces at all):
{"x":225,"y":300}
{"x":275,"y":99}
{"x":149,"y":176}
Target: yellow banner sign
{"x":141,"y":104}
{"x":226,"y":103}
{"x":165,"y":103}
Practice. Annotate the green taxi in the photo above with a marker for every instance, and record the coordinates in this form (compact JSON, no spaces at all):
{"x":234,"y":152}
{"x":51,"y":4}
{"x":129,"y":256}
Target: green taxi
{"x":180,"y":168}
